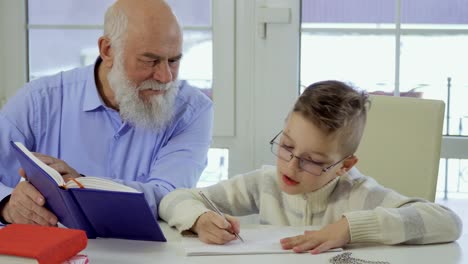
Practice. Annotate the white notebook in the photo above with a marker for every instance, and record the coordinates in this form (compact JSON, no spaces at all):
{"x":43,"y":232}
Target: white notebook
{"x":260,"y":240}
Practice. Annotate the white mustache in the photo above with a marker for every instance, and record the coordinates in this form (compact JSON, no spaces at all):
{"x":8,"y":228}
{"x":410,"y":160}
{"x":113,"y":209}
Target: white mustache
{"x":154,"y":85}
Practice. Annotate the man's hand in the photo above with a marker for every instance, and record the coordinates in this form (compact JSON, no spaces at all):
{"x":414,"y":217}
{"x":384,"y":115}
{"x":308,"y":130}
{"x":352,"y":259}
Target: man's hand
{"x":61,"y":166}
{"x":26,"y":206}
{"x":214,"y":229}
{"x":331,"y":236}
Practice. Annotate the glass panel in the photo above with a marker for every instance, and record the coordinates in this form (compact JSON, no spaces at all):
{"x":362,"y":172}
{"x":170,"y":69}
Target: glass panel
{"x":192,"y":12}
{"x":434,"y":58}
{"x":197,"y":62}
{"x":91,"y":12}
{"x":344,"y":40}
{"x":51,"y":51}
{"x":355,"y":11}
{"x":434,"y":12}
{"x":457,"y":178}
{"x":367,"y":61}
{"x":433,"y":65}
{"x":66,"y":12}
{"x":54,"y":50}
{"x":217,"y":168}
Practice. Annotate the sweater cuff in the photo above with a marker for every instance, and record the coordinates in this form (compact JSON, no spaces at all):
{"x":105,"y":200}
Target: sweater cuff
{"x":363,"y":227}
{"x":188,"y":220}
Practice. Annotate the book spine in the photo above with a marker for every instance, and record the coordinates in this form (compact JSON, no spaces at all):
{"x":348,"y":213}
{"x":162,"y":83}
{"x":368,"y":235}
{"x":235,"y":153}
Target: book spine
{"x":75,"y":217}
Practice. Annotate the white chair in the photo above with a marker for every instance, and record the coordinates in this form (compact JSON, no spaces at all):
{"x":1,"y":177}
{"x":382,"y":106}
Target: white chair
{"x":400,"y":147}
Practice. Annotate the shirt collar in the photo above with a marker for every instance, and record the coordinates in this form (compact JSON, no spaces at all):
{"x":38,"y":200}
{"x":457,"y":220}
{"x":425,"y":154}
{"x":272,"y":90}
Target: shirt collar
{"x":92,"y":99}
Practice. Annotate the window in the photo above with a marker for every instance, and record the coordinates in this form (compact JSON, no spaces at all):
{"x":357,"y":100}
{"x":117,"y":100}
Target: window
{"x":63,"y":35}
{"x":406,"y":48}
{"x":217,"y":168}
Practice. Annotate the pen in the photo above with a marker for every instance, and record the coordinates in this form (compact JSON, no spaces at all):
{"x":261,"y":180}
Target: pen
{"x":214,"y":208}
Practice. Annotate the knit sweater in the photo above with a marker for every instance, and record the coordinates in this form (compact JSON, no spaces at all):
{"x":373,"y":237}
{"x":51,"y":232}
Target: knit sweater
{"x":374,"y":213}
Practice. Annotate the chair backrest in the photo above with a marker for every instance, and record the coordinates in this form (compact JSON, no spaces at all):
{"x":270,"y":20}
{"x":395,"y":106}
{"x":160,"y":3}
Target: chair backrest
{"x":400,"y":147}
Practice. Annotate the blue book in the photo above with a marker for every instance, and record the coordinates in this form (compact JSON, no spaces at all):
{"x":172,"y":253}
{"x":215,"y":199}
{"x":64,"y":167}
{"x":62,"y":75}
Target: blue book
{"x":99,"y":206}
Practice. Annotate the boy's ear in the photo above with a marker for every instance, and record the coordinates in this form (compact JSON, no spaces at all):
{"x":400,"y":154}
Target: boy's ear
{"x":348,"y":163}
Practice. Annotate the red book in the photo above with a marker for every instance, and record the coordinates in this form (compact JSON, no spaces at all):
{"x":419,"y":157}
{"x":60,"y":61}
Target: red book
{"x":47,"y":245}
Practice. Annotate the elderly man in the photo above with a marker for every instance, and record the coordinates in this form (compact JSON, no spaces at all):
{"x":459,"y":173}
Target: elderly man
{"x":125,"y":118}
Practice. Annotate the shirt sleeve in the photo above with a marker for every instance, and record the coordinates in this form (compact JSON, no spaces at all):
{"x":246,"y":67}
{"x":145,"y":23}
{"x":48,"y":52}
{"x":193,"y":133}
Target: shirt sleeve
{"x":181,"y":161}
{"x":16,"y":124}
{"x":237,"y":196}
{"x":381,"y":215}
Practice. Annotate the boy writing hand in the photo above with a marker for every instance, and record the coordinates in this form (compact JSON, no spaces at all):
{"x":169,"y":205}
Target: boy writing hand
{"x":315,"y":183}
{"x":214,"y":229}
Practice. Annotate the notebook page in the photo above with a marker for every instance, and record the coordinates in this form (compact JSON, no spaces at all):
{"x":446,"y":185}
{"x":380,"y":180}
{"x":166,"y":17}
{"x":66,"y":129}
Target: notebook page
{"x":259,"y":240}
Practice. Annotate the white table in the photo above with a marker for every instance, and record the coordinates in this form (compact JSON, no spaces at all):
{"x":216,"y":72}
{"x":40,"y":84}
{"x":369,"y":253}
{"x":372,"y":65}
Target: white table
{"x":133,"y":252}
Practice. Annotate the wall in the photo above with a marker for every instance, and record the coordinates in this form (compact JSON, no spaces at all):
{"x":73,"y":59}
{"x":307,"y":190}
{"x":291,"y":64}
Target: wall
{"x":12,"y":46}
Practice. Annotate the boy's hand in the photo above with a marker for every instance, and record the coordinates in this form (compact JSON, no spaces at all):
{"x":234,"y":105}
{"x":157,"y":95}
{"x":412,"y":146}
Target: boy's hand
{"x":331,"y":236}
{"x":214,"y":229}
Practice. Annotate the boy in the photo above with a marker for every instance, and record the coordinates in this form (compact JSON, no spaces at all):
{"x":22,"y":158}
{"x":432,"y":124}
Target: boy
{"x":314,"y":183}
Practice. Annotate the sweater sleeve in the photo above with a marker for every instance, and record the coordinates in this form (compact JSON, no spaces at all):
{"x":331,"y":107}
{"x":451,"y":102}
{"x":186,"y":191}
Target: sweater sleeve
{"x":381,"y":215}
{"x":237,"y":196}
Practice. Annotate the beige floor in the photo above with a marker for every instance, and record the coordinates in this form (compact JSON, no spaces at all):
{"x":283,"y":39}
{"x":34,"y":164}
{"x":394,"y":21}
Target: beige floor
{"x":460,"y":206}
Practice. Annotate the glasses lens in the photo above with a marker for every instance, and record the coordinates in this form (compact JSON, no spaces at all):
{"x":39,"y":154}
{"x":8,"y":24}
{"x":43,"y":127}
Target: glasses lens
{"x":281,"y":152}
{"x":311,"y":167}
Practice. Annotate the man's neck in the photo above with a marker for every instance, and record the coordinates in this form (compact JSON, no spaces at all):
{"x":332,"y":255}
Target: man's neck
{"x":103,"y":86}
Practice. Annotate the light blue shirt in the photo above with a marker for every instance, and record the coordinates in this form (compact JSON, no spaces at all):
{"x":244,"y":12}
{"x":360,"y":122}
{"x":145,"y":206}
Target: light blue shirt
{"x":63,"y":116}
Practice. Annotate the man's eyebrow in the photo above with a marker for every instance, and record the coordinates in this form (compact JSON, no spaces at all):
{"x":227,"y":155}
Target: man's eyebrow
{"x":157,"y":57}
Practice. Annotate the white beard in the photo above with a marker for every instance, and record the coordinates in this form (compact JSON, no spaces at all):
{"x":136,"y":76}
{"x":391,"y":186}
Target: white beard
{"x":154,"y":113}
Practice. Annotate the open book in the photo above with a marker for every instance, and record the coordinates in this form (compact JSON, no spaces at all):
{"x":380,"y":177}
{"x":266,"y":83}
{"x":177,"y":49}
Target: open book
{"x":83,"y":182}
{"x":264,"y":239}
{"x":101,"y":207}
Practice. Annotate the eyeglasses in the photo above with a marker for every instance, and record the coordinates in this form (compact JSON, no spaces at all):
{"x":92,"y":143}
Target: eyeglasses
{"x":306,"y":165}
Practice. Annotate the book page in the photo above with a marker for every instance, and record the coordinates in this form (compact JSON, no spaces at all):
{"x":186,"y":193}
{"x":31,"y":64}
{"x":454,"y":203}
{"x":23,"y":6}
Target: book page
{"x":17,"y":260}
{"x":78,"y":259}
{"x":52,"y":172}
{"x":260,"y":240}
{"x":87,"y":182}
{"x":98,"y":183}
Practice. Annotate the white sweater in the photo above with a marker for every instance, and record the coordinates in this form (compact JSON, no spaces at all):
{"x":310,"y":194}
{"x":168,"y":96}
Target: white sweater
{"x":375,"y":214}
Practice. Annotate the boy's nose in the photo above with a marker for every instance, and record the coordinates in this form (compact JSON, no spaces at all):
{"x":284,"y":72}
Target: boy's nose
{"x":294,"y":163}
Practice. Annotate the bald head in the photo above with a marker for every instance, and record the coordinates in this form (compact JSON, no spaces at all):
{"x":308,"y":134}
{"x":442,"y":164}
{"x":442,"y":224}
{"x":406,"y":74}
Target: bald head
{"x":136,"y":18}
{"x":148,"y":15}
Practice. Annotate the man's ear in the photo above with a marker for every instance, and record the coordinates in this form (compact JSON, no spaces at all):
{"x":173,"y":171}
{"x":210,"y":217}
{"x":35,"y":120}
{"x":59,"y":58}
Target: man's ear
{"x":348,"y":163}
{"x":106,"y":51}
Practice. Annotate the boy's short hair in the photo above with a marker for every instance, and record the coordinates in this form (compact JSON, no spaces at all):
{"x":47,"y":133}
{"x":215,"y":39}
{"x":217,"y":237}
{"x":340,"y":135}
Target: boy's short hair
{"x":337,"y":109}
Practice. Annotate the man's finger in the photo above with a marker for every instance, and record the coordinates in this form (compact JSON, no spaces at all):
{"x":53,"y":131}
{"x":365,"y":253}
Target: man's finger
{"x":22,"y":173}
{"x":30,"y":192}
{"x":45,"y":158}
